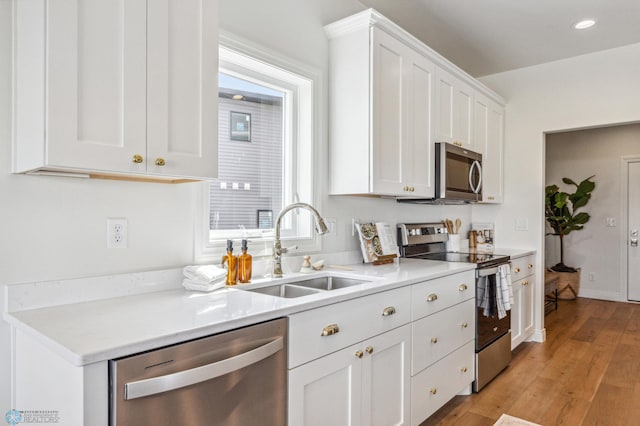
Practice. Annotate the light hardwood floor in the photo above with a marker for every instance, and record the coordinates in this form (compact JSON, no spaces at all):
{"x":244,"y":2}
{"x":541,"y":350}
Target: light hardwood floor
{"x":586,"y":373}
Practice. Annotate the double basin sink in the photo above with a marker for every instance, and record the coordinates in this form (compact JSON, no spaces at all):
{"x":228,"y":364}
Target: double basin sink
{"x":306,"y":286}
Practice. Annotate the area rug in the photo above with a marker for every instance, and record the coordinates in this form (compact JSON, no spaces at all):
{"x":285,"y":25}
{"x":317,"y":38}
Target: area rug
{"x":507,"y":420}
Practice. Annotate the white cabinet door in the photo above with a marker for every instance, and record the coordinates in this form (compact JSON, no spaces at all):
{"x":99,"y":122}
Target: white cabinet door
{"x":101,"y":83}
{"x":454,"y":110}
{"x":517,"y":328}
{"x":522,"y":310}
{"x":182,"y":88}
{"x":365,"y":384}
{"x":488,"y":135}
{"x":403,"y":146}
{"x":386,"y":379}
{"x":96,"y":83}
{"x":418,"y":149}
{"x":327,"y":391}
{"x":527,"y":305}
{"x":387,"y":100}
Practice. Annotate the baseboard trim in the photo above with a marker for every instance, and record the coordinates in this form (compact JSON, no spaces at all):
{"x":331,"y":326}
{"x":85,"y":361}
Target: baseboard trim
{"x":602,"y":295}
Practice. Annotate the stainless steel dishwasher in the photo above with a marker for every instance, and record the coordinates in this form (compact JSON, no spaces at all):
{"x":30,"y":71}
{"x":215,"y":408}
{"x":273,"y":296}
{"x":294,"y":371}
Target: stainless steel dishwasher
{"x":234,"y":378}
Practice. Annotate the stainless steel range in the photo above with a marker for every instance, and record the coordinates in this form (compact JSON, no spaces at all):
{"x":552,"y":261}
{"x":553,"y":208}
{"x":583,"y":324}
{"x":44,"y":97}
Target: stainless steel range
{"x":493,"y":335}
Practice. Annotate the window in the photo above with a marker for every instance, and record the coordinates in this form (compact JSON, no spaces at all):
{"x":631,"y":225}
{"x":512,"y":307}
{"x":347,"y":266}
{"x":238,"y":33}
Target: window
{"x":265,"y":134}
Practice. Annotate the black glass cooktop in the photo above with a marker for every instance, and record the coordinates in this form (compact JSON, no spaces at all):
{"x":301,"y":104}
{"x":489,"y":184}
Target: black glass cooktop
{"x":482,"y":259}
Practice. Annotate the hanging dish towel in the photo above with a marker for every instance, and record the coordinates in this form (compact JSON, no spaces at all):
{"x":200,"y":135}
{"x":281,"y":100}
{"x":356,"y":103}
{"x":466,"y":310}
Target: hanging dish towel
{"x":486,"y":289}
{"x":504,"y":290}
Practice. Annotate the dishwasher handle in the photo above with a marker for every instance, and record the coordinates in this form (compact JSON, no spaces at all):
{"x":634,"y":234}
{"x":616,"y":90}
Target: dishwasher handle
{"x":155,"y":385}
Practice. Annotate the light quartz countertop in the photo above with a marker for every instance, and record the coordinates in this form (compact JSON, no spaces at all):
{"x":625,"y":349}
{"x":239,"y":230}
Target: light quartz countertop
{"x":95,"y":328}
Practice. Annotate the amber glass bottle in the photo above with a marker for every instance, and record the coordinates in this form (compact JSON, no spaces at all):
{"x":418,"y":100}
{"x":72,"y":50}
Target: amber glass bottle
{"x":244,"y":264}
{"x":232,"y":264}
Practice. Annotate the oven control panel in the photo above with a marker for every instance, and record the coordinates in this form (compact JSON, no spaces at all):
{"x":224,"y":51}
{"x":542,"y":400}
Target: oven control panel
{"x":421,"y":233}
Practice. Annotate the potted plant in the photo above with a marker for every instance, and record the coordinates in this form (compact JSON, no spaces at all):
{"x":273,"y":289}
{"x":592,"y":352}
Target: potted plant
{"x":562,"y":215}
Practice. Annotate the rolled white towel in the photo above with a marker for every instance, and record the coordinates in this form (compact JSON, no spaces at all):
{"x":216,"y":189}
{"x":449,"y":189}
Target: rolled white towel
{"x":203,"y":274}
{"x":199,"y":286}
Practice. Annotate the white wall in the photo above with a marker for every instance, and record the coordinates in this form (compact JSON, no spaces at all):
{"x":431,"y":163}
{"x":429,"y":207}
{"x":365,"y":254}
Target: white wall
{"x":595,"y":249}
{"x":585,"y":91}
{"x":55,"y":228}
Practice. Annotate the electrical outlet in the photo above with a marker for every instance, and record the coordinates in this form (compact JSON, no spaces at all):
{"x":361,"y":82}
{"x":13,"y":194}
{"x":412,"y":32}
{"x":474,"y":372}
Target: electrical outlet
{"x":332,"y":225}
{"x":116,"y":232}
{"x":592,"y":276}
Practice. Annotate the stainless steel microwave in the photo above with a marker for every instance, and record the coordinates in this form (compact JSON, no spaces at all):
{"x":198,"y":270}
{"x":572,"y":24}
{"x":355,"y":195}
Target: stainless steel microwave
{"x":458,"y":173}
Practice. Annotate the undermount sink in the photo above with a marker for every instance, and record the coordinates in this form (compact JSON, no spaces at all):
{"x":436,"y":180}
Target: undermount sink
{"x":307,"y":286}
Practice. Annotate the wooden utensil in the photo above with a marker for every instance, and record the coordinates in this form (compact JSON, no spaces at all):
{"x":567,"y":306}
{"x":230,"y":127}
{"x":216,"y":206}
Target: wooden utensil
{"x":458,"y":225}
{"x":449,"y":224}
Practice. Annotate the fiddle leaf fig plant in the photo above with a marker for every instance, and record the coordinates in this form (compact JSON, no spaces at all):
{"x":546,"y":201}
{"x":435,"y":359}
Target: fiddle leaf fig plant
{"x":561,"y":212}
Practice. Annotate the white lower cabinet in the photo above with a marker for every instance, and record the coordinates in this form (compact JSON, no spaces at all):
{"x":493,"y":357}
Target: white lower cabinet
{"x":524,"y":279}
{"x":364,"y":384}
{"x":436,"y":385}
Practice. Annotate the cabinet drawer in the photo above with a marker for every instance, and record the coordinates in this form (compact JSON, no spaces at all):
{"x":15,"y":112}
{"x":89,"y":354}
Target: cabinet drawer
{"x":439,"y":334}
{"x":436,"y":385}
{"x":345,"y":323}
{"x":523,"y":267}
{"x":435,"y":295}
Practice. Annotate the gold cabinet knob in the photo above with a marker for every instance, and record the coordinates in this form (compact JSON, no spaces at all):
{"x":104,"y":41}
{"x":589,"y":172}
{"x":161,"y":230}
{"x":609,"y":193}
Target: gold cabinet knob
{"x":463,"y":369}
{"x":464,"y":325}
{"x":389,"y":310}
{"x":434,"y":340}
{"x":330,"y":329}
{"x":525,"y":283}
{"x":516,"y":269}
{"x":160,"y":162}
{"x":137,"y":158}
{"x":432,"y":297}
{"x":462,"y":287}
{"x":491,"y":198}
{"x":369,"y":350}
{"x":359,"y":354}
{"x":530,"y":266}
{"x":433,"y":391}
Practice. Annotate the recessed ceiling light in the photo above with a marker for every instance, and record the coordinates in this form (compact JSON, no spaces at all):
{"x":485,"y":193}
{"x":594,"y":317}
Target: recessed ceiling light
{"x":583,"y":25}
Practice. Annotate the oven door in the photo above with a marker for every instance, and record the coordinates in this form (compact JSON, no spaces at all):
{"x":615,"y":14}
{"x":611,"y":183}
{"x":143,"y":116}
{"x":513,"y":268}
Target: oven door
{"x":488,"y":326}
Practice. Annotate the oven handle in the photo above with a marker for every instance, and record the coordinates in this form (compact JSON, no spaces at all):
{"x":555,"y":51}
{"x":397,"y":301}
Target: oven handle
{"x":152,"y":386}
{"x":487,"y":271}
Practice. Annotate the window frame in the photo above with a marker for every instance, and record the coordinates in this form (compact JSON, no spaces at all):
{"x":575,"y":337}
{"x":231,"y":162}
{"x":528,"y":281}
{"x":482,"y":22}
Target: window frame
{"x":307,"y":104}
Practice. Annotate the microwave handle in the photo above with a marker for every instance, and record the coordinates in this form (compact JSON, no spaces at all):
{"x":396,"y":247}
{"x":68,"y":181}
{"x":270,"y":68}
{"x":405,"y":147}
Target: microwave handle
{"x":476,"y":188}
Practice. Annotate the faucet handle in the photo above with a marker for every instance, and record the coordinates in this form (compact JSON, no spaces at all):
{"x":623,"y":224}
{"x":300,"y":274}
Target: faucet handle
{"x":286,"y":249}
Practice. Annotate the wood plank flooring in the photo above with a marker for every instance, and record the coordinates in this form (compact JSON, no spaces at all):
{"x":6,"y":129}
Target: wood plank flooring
{"x":586,"y":373}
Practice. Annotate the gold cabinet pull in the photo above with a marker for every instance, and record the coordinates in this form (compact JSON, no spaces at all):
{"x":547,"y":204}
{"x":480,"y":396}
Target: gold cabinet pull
{"x":464,"y":325}
{"x":491,"y":197}
{"x":160,"y":162}
{"x":389,"y":310}
{"x":516,"y":269}
{"x":525,"y":283}
{"x":359,"y":354}
{"x":432,"y":297}
{"x":457,"y":143}
{"x":434,"y":340}
{"x":463,"y":369}
{"x":433,"y":391}
{"x":137,"y":158}
{"x":462,"y":287}
{"x":330,"y":329}
{"x":530,"y":266}
{"x":369,"y":350}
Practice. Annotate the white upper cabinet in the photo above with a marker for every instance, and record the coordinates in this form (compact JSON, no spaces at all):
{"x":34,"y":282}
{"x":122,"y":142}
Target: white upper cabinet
{"x":381,"y":92}
{"x":454,"y":111}
{"x":391,"y":98}
{"x":123,"y":87}
{"x":489,"y":137}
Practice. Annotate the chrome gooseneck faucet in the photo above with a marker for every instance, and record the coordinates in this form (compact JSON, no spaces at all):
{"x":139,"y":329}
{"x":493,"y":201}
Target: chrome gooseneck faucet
{"x":278,"y":250}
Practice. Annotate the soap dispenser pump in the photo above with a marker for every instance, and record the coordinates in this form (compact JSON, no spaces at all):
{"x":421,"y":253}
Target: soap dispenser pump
{"x":232,"y":264}
{"x":244,"y":264}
